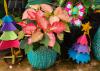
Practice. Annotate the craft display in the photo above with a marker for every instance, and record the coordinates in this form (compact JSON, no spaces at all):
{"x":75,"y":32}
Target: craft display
{"x":96,"y":45}
{"x":41,"y":31}
{"x":80,"y":51}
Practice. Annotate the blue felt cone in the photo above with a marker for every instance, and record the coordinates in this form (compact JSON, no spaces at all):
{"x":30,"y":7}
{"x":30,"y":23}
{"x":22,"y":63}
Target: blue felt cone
{"x":7,"y":19}
{"x":79,"y":57}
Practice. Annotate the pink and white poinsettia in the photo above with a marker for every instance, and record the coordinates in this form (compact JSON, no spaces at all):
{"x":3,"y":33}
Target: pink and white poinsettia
{"x":49,"y":25}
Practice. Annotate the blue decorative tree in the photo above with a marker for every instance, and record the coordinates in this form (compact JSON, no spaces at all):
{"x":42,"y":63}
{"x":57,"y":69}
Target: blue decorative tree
{"x":80,"y":51}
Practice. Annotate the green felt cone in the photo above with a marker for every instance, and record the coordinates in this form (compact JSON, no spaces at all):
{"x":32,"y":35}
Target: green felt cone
{"x":8,"y":35}
{"x":96,"y":45}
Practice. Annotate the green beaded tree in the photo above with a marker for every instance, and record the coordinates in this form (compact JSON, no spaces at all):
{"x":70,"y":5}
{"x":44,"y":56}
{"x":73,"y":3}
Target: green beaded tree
{"x":97,"y":4}
{"x":32,"y":2}
{"x":96,"y":45}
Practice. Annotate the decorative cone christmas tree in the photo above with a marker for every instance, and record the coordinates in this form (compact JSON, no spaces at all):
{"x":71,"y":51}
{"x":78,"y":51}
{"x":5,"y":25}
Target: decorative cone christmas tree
{"x":32,"y":2}
{"x":80,"y":51}
{"x":9,"y":38}
{"x":96,"y":45}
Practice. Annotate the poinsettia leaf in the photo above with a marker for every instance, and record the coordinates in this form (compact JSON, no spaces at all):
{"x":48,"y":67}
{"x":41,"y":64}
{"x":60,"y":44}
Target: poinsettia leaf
{"x":37,"y":36}
{"x":36,"y":46}
{"x":46,"y":8}
{"x":60,"y":36}
{"x":45,"y":40}
{"x":67,"y":28}
{"x":21,"y":35}
{"x":28,"y":48}
{"x":42,"y":22}
{"x":22,"y":23}
{"x":17,"y":19}
{"x":52,"y":39}
{"x":58,"y":27}
{"x":29,"y":28}
{"x":23,"y":43}
{"x":57,"y":48}
{"x":29,"y":14}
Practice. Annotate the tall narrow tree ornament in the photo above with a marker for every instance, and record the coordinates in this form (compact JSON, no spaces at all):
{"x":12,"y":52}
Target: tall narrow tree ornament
{"x":80,"y":51}
{"x":33,"y":2}
{"x":9,"y":38}
{"x":96,"y":45}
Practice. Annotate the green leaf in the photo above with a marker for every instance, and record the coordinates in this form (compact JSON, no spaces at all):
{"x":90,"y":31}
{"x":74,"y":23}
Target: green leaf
{"x":36,"y":46}
{"x":60,"y":2}
{"x":87,"y":3}
{"x":23,"y":44}
{"x":21,"y":35}
{"x":17,"y":19}
{"x":67,"y":28}
{"x":60,"y":36}
{"x":57,"y":48}
{"x":45,"y":40}
{"x":28,"y":48}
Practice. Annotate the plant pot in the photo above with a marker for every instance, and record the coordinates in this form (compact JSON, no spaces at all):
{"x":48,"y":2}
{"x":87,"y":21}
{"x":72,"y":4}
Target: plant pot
{"x":41,"y":58}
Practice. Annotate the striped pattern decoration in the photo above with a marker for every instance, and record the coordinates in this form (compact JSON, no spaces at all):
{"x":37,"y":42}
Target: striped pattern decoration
{"x":96,"y":45}
{"x":42,"y":58}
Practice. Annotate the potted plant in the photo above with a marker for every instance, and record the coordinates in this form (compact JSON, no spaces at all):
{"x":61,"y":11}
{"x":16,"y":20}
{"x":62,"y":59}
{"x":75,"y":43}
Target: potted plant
{"x":42,"y":26}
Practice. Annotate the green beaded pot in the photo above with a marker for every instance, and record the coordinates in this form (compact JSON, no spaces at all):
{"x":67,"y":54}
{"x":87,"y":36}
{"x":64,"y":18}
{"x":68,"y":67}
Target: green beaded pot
{"x":42,"y":58}
{"x":96,"y":45}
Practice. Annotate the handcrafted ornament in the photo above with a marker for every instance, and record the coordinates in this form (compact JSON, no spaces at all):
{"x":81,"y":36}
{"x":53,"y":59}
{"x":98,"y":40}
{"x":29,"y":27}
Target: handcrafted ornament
{"x":75,"y":12}
{"x":9,"y":38}
{"x":42,"y":58}
{"x":80,"y":51}
{"x":96,"y":5}
{"x":86,"y":28}
{"x":96,"y":45}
